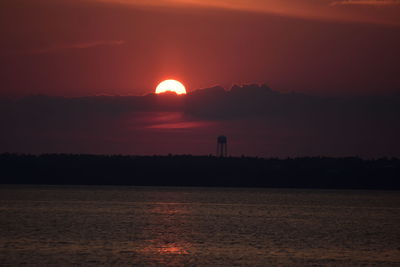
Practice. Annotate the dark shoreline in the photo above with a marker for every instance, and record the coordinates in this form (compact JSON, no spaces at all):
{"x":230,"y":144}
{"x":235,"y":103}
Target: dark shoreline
{"x":200,"y":171}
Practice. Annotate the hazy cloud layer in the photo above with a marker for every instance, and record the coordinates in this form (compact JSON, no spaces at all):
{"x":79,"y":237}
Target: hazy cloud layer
{"x":309,"y":9}
{"x":256,"y":119}
{"x":83,"y":45}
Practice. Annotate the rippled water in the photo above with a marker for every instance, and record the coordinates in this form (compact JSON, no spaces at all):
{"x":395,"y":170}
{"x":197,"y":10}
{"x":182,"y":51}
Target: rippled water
{"x":197,"y":227}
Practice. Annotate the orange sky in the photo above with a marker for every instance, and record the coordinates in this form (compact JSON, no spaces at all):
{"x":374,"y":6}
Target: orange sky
{"x":368,"y":11}
{"x":125,"y":47}
{"x":85,"y":48}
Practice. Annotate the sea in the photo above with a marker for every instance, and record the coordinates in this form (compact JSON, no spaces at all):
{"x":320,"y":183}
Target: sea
{"x":183,"y":226}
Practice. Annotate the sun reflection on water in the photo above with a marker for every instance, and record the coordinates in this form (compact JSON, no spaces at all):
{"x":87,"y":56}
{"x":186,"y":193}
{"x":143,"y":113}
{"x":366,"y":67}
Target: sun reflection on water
{"x":169,"y":243}
{"x":173,"y":249}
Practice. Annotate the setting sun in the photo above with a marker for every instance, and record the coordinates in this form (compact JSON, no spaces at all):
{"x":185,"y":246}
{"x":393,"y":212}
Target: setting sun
{"x":171,"y":86}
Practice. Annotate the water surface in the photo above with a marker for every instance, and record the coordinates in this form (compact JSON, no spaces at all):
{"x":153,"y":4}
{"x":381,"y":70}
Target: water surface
{"x":149,"y":226}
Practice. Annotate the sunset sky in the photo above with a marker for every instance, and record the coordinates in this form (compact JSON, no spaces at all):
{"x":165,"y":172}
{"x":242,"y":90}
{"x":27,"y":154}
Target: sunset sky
{"x":125,"y":47}
{"x":75,"y":49}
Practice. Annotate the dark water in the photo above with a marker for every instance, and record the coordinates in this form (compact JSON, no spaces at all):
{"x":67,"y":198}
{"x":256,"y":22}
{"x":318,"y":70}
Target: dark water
{"x":197,"y":227}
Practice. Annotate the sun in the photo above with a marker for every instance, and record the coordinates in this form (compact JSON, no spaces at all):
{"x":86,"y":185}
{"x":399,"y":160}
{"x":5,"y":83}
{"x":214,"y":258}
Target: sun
{"x":171,"y":86}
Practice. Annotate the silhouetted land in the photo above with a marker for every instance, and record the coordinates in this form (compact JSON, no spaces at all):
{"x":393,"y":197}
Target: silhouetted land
{"x":186,"y":170}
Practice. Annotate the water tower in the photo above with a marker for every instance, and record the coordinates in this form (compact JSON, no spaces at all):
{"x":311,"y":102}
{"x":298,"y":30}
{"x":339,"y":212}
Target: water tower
{"x":222,"y":146}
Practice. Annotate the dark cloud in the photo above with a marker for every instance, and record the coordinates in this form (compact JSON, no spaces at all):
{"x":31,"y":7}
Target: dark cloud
{"x":257,"y":120}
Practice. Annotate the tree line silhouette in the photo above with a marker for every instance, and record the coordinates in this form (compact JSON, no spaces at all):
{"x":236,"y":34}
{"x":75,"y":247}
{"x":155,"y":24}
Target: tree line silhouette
{"x":187,"y":170}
